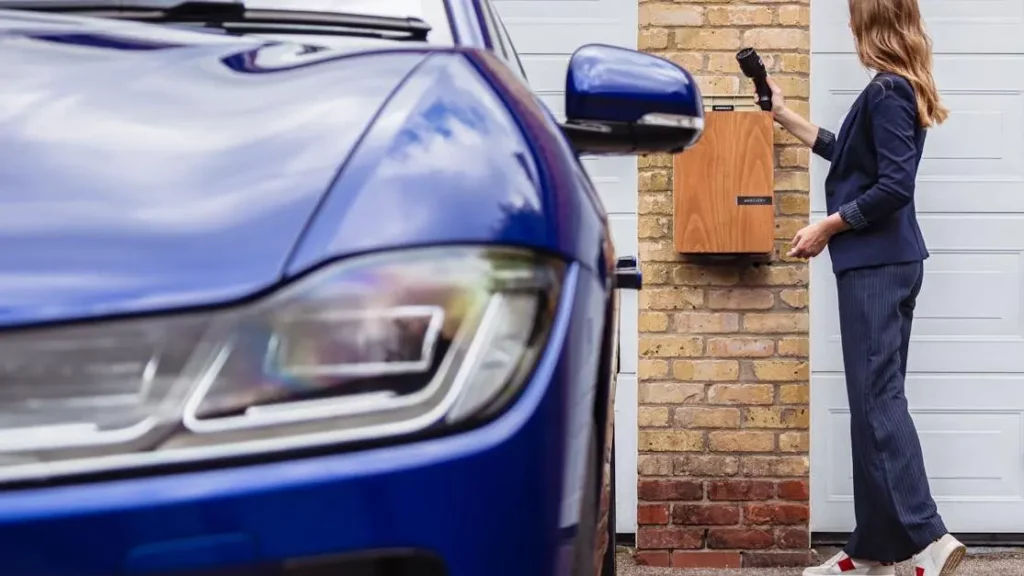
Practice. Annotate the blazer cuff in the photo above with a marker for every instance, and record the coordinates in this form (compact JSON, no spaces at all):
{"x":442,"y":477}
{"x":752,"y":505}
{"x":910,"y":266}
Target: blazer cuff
{"x":851,"y":214}
{"x":823,"y":142}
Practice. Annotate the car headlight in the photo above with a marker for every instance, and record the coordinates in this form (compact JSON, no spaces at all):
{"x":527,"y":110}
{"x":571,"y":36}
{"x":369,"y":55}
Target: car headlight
{"x":367,"y":348}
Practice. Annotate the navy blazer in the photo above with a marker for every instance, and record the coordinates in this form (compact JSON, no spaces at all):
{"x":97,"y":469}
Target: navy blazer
{"x":871,"y":179}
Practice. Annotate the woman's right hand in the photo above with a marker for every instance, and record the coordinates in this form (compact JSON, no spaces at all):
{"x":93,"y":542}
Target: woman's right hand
{"x":778,"y":99}
{"x":790,"y":121}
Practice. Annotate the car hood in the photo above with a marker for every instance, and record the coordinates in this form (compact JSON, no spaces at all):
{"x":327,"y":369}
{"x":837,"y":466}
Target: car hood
{"x":146,"y":167}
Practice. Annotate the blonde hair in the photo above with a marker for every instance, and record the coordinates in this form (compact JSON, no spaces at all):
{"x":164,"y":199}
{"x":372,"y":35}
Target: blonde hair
{"x":891,"y":37}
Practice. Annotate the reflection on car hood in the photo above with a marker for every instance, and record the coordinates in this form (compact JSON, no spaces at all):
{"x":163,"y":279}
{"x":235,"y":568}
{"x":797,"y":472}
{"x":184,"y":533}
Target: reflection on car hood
{"x":150,"y":167}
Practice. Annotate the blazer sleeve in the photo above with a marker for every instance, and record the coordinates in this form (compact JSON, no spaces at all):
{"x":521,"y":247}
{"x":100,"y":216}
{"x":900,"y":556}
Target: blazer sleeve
{"x":824,"y":144}
{"x":893,"y":115}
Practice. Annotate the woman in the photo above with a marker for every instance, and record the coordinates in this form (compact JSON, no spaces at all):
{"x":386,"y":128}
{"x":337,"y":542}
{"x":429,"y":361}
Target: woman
{"x":877,"y":254}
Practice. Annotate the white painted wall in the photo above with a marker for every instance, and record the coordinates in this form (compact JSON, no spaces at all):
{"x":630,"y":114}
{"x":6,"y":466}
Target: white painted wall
{"x":966,"y":365}
{"x":545,"y":34}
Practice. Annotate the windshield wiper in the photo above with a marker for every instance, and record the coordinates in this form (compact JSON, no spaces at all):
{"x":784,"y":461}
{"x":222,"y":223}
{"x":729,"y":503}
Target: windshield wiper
{"x":232,"y":15}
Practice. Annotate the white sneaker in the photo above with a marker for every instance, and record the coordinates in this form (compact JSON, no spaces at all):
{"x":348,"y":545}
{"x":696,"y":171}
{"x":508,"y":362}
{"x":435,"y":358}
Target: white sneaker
{"x":940,"y":558}
{"x":843,"y":564}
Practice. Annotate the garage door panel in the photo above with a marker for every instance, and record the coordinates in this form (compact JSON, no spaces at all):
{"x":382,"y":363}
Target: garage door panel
{"x":616,"y":190}
{"x":991,"y":124}
{"x":972,"y":163}
{"x":948,"y":429}
{"x":558,"y":36}
{"x":966,"y":367}
{"x":956,"y":26}
{"x":967,"y":296}
{"x":546,"y":71}
{"x":969,"y":313}
{"x":562,"y":26}
{"x":840,"y":73}
{"x":624,"y":235}
{"x":980,"y":419}
{"x":563,"y":8}
{"x":626,"y":443}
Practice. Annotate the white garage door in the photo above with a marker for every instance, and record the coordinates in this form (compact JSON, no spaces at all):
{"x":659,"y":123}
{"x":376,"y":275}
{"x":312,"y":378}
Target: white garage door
{"x":545,"y":34}
{"x":966,"y":386}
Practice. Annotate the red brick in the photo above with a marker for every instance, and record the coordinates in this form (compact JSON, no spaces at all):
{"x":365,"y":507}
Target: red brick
{"x":776,"y":559}
{"x":652,"y":514}
{"x":740,"y":538}
{"x":706,"y":560}
{"x":797,"y":490}
{"x":792,"y":538}
{"x":652,"y":537}
{"x":658,"y":558}
{"x":670,"y":490}
{"x":772,"y":513}
{"x":740,"y":490}
{"x":705,"y":515}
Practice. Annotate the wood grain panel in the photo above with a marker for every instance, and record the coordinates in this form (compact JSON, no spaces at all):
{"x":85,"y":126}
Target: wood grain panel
{"x":734,"y":159}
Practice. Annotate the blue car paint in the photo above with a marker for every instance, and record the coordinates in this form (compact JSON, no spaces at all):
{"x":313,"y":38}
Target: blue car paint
{"x":441,"y":495}
{"x":170,"y":179}
{"x":606,"y":83}
{"x":445,"y":162}
{"x":447,"y":126}
{"x":100,"y":235}
{"x":559,"y":166}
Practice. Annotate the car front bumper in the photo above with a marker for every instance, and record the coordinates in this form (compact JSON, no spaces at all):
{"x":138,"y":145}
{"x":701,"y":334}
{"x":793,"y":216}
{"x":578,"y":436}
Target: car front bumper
{"x":486,"y":501}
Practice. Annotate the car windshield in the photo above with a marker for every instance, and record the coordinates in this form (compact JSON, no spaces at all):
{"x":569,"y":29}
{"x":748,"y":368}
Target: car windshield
{"x":433,"y":12}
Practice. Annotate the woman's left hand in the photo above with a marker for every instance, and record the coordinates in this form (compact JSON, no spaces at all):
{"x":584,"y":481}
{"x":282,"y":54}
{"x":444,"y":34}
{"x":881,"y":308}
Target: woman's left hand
{"x":810,"y":240}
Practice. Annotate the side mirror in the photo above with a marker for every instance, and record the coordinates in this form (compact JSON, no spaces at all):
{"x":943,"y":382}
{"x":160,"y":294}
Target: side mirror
{"x":620,"y":101}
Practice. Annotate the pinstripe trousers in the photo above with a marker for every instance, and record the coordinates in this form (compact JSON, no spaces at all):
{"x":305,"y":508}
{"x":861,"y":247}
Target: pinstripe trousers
{"x":896,"y":515}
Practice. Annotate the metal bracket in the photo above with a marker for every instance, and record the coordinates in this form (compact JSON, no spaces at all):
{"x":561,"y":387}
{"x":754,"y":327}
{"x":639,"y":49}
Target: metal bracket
{"x":627,"y":274}
{"x":729,"y":103}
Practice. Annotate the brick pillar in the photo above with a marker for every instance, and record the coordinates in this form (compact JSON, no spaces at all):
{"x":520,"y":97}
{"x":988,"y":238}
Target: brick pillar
{"x":723,"y":368}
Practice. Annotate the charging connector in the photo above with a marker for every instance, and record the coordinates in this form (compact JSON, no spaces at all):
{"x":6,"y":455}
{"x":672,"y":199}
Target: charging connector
{"x":753,"y":68}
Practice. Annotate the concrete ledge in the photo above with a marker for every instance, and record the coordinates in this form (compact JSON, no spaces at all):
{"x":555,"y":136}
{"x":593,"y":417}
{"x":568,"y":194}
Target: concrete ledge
{"x":980,"y":562}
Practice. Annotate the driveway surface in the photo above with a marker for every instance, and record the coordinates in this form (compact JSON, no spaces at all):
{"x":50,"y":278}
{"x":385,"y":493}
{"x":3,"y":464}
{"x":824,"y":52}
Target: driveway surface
{"x":980,"y":562}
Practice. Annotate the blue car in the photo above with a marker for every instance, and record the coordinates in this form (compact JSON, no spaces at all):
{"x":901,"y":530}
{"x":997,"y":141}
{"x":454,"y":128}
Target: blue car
{"x":306,"y":288}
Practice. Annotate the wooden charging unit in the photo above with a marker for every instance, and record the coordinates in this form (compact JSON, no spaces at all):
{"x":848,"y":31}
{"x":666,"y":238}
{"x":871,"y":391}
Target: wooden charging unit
{"x":724,"y":186}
